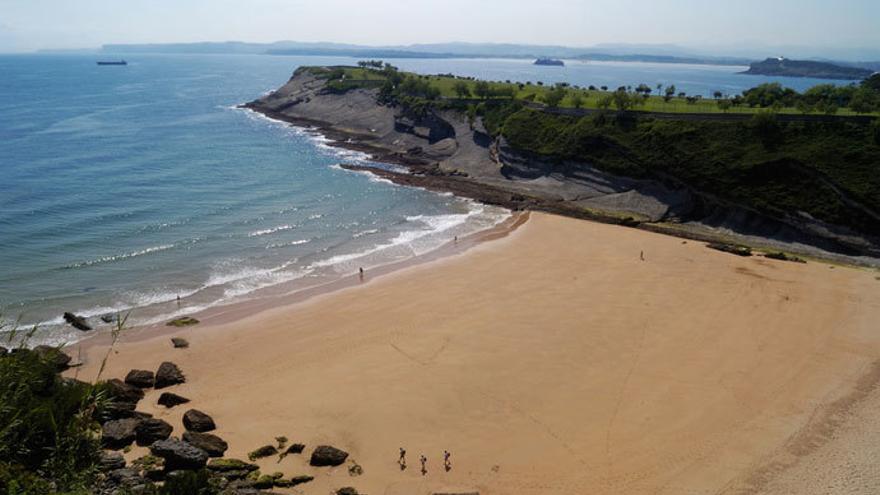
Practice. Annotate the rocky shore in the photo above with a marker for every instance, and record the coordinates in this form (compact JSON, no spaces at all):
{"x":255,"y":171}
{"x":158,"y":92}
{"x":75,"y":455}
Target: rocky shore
{"x":446,"y":151}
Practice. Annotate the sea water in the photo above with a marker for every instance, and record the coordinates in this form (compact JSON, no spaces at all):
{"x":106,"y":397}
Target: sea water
{"x":123,"y":188}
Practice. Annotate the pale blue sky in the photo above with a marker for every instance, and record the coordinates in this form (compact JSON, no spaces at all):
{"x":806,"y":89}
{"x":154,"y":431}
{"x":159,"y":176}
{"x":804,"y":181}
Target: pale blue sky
{"x":834,"y":24}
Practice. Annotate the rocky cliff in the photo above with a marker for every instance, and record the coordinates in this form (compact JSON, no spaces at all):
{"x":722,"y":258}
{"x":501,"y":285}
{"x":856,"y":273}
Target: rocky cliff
{"x":446,"y":150}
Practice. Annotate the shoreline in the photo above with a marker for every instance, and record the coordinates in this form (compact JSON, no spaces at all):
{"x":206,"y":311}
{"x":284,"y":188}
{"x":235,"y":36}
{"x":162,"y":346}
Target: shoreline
{"x":234,"y":311}
{"x":427,"y":175}
{"x":587,"y":370}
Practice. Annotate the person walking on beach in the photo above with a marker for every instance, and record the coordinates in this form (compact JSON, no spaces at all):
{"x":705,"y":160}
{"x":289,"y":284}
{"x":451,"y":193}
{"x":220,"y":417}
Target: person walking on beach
{"x":424,"y":461}
{"x":446,"y":463}
{"x":642,"y":255}
{"x":361,"y":273}
{"x":402,"y":459}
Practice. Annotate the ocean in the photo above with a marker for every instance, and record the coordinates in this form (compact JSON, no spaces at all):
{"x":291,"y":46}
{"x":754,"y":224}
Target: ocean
{"x":124,"y":188}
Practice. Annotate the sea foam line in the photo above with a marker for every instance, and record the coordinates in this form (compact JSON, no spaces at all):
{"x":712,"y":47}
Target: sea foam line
{"x":108,"y":259}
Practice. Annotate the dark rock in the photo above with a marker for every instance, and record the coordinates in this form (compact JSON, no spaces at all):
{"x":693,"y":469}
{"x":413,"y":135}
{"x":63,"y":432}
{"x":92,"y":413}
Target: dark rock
{"x":152,"y":430}
{"x":212,"y":444}
{"x":731,"y":248}
{"x":194,"y":420}
{"x":168,"y":399}
{"x":110,"y":461}
{"x":108,"y":318}
{"x":77,"y":322}
{"x":140,"y":378}
{"x":115,"y":410}
{"x":53,"y":355}
{"x":183,"y":321}
{"x":120,"y":391}
{"x":179,"y":454}
{"x":179,"y":343}
{"x":325,"y":455}
{"x":296,"y":448}
{"x":168,"y":374}
{"x":3,"y":351}
{"x":125,"y":477}
{"x":299,"y":480}
{"x":347,"y":491}
{"x":264,"y":451}
{"x":231,"y":469}
{"x":119,"y":433}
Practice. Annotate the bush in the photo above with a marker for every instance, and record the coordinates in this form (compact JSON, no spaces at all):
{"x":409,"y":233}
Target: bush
{"x":875,"y":130}
{"x":48,"y":437}
{"x":767,"y":129}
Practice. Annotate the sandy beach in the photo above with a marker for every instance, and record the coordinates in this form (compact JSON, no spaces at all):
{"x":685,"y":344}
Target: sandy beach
{"x":552,"y":361}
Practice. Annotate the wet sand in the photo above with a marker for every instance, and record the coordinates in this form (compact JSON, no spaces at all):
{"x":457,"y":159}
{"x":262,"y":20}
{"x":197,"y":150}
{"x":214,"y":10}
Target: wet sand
{"x":552,"y":360}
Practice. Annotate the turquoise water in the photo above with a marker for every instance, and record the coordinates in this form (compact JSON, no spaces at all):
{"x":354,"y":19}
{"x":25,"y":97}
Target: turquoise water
{"x":126,"y":187}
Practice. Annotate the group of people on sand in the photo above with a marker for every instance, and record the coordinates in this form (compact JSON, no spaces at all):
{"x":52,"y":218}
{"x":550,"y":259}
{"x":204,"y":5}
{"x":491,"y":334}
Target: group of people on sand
{"x":447,"y":464}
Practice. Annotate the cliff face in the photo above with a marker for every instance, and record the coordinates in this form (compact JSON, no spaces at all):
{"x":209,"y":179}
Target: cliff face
{"x":446,"y":151}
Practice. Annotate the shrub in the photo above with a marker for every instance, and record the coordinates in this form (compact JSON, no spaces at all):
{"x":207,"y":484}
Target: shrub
{"x":48,"y":437}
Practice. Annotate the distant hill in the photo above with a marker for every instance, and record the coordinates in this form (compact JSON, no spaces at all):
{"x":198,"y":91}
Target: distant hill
{"x":806,"y":68}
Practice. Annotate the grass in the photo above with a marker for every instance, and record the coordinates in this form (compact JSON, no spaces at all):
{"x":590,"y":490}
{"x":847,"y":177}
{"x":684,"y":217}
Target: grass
{"x":590,"y":98}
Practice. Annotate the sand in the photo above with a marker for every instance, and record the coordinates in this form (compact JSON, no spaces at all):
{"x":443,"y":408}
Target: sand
{"x":553,"y":361}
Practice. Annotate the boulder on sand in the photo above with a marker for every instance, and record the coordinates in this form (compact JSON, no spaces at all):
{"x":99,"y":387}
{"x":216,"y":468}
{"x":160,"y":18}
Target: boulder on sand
{"x":179,"y":343}
{"x":179,"y":454}
{"x":53,"y":355}
{"x":140,"y":378}
{"x":168,"y":399}
{"x":119,"y":433}
{"x":152,"y":430}
{"x":120,"y":391}
{"x":168,"y":374}
{"x":212,"y":444}
{"x":77,"y":322}
{"x":194,"y":420}
{"x":325,"y":455}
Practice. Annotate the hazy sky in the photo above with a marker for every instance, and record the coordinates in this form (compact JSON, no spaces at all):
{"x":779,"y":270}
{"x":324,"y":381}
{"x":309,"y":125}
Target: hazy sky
{"x":33,"y":24}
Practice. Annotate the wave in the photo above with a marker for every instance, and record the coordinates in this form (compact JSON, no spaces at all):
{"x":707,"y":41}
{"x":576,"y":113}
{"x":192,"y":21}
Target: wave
{"x":409,"y":240}
{"x":112,"y":258}
{"x":280,"y":228}
{"x":288,"y":244}
{"x":362,"y":233}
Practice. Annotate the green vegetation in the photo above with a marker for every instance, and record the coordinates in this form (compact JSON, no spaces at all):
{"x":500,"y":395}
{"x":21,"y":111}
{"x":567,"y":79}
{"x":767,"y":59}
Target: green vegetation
{"x":48,"y":440}
{"x":824,"y":99}
{"x":183,"y":321}
{"x":773,"y":167}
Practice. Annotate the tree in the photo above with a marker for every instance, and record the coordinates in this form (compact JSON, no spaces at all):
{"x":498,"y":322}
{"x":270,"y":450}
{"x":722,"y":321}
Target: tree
{"x":803,"y":106}
{"x":863,"y":101}
{"x":577,"y":100}
{"x":724,"y":105}
{"x":604,"y":88}
{"x":604,"y":102}
{"x":461,"y":89}
{"x":553,"y":97}
{"x":717,"y":95}
{"x":643,"y":89}
{"x":670,"y":93}
{"x":482,"y":90}
{"x":622,"y":100}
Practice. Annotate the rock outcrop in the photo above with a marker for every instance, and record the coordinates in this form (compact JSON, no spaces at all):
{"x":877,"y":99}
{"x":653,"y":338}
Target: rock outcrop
{"x":140,"y":378}
{"x":195,"y":420}
{"x":168,"y":374}
{"x":212,"y":444}
{"x":179,"y":454}
{"x":169,"y":399}
{"x":325,"y":455}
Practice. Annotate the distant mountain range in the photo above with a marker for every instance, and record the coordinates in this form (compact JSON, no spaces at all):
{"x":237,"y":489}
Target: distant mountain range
{"x":603,"y":52}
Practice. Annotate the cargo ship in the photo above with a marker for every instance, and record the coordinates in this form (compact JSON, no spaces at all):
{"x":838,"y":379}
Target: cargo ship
{"x":112,"y":62}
